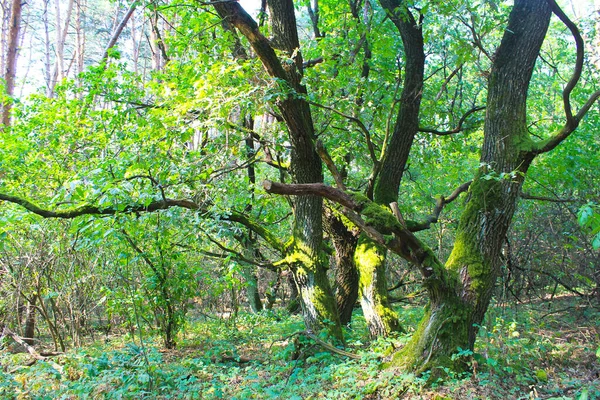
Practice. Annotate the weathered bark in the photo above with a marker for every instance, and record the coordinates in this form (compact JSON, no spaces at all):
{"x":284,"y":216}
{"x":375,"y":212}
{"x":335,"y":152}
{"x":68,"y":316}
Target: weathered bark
{"x":344,"y":239}
{"x":29,"y":331}
{"x":11,"y":57}
{"x":304,"y":253}
{"x":454,"y":313}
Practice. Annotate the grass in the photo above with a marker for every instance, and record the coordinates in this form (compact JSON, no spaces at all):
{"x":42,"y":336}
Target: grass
{"x":543,"y":350}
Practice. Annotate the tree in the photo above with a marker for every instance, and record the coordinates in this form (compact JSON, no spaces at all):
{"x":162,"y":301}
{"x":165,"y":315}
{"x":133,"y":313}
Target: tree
{"x":12,"y":50}
{"x":460,"y":290}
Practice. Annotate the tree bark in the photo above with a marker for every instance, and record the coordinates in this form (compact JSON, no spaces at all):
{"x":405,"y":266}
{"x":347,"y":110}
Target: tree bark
{"x":11,"y":58}
{"x":344,"y":239}
{"x":455,"y":312}
{"x":29,"y":331}
{"x":370,"y":257}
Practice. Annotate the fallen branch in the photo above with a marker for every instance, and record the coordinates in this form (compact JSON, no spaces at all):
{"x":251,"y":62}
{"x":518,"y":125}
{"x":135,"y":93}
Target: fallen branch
{"x":324,"y":344}
{"x":31,"y":350}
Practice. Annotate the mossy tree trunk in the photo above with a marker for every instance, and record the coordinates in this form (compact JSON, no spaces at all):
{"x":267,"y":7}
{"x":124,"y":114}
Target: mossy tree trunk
{"x":344,"y":239}
{"x":370,"y":260}
{"x":458,"y":306}
{"x":304,"y":253}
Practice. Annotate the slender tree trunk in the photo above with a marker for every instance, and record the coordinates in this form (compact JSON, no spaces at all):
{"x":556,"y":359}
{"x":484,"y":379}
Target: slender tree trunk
{"x":47,"y":63}
{"x":80,"y":35}
{"x":5,"y":8}
{"x":11,"y":58}
{"x":383,"y":189}
{"x":29,"y":332}
{"x":458,"y":305}
{"x":61,"y":38}
{"x":249,"y":239}
{"x":159,"y":51}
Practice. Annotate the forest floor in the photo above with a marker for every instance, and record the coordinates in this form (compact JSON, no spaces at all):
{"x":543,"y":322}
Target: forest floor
{"x":540,"y":350}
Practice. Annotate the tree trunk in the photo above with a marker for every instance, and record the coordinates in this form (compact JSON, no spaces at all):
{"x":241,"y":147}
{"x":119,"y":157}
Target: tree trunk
{"x":344,"y":240}
{"x":370,"y":257}
{"x":304,"y":254}
{"x":29,"y":331}
{"x":458,"y":306}
{"x":11,"y":58}
{"x":61,"y":37}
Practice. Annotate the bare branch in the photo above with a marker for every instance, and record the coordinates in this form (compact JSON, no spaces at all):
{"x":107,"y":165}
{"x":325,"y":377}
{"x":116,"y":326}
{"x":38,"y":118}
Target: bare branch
{"x":458,"y":128}
{"x":312,"y":62}
{"x":447,"y":81}
{"x":317,"y":189}
{"x":358,"y":122}
{"x":528,"y":196}
{"x":322,"y":152}
{"x":572,"y":120}
{"x":439,"y":206}
{"x":30,"y":349}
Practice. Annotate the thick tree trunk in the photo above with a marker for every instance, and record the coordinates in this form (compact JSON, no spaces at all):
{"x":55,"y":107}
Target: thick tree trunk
{"x":456,"y":311}
{"x":344,"y":240}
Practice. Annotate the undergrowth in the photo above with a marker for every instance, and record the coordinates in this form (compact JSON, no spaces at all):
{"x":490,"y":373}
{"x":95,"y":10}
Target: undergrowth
{"x":535,"y":351}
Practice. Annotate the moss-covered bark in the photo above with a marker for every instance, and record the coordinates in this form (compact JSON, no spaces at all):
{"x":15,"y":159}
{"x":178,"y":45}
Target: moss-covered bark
{"x":458,"y":304}
{"x":316,"y":297}
{"x":344,"y":237}
{"x":369,"y":258}
{"x":386,"y":177}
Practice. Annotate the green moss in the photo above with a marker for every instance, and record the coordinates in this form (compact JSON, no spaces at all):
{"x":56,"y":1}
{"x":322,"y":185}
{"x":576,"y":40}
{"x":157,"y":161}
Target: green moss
{"x":441,"y":334}
{"x":523,"y":142}
{"x":369,"y":258}
{"x":376,"y":215}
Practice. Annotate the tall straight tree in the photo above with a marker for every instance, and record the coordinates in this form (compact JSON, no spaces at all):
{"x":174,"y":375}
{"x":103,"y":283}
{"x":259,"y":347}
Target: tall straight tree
{"x":305,"y":253}
{"x":12,"y":51}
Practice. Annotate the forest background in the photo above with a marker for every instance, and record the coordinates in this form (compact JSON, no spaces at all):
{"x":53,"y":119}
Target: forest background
{"x":163,"y":167}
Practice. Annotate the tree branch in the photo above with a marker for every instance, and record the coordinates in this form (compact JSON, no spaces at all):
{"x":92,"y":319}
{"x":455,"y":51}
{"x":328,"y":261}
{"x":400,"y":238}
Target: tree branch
{"x":156,"y":205}
{"x":439,"y":206}
{"x":458,"y":128}
{"x":31,"y":350}
{"x":572,"y":120}
{"x":401,"y":241}
{"x":358,"y":122}
{"x":322,"y":152}
{"x":528,"y":196}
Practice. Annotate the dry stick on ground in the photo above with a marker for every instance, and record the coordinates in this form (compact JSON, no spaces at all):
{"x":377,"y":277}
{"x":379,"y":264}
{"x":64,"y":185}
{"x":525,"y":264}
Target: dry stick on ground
{"x":323,"y":344}
{"x":31,"y":350}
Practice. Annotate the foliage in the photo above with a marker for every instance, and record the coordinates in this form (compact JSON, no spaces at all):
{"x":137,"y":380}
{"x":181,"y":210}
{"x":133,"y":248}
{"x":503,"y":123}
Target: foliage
{"x":589,"y":219}
{"x":527,"y":352}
